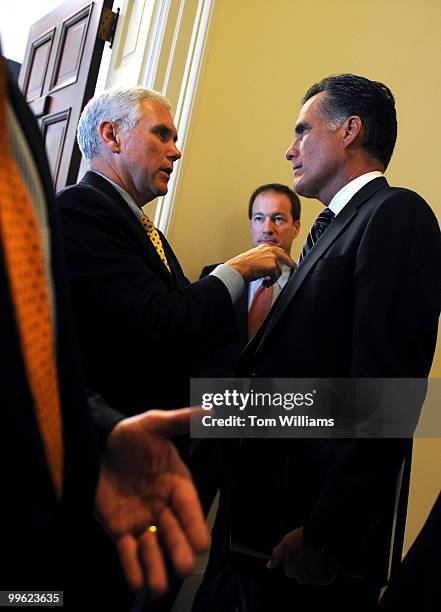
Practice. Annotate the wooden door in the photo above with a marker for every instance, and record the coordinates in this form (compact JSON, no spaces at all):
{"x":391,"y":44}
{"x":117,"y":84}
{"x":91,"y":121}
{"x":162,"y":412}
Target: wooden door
{"x":59,"y":73}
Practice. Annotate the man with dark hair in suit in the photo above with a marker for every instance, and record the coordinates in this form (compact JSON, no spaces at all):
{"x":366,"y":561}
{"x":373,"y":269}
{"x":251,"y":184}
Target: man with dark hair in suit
{"x":66,"y":457}
{"x":274,"y":214}
{"x":363,"y":302}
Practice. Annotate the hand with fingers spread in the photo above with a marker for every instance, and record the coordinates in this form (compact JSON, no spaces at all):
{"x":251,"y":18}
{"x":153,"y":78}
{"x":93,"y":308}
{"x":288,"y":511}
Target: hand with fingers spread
{"x":263,"y":260}
{"x":302,"y":560}
{"x":146,"y":499}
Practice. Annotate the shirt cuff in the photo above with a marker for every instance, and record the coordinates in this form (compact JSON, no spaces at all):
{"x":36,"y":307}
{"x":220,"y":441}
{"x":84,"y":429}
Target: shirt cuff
{"x":231,"y":278}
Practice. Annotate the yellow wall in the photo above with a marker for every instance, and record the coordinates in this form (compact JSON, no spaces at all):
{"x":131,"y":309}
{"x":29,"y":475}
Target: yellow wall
{"x":262,"y":56}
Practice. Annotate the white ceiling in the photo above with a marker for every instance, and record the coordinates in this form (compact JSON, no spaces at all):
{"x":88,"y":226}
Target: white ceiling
{"x":15,"y":29}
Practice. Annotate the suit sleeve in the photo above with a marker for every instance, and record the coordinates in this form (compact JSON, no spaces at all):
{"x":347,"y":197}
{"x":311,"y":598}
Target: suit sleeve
{"x":397,"y":290}
{"x":116,"y":288}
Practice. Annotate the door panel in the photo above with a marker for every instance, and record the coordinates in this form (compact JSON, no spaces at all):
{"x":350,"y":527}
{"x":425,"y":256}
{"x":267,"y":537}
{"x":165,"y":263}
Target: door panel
{"x":53,"y":129}
{"x":70,"y":49}
{"x":38,"y":62}
{"x":58,"y":77}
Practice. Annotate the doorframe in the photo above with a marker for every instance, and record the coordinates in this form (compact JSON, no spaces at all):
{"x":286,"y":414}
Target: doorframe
{"x":159,"y":29}
{"x":186,"y":102}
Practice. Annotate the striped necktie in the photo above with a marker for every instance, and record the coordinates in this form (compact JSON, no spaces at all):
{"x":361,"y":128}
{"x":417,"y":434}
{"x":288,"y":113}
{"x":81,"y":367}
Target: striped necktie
{"x":321,"y":224}
{"x":25,"y":268}
{"x":155,"y":239}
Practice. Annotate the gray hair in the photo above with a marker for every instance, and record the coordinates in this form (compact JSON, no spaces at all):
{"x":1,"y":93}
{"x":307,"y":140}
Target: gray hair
{"x":120,"y":105}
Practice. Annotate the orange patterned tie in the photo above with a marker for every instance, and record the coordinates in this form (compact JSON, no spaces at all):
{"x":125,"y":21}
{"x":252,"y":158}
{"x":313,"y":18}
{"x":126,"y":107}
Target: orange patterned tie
{"x":260,"y":307}
{"x":20,"y":239}
{"x":155,"y":238}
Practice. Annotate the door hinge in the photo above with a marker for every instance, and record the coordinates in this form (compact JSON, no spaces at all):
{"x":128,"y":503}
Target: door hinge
{"x":108,"y":24}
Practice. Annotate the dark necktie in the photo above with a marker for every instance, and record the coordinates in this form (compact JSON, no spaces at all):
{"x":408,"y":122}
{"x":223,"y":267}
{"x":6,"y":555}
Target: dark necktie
{"x":321,"y":224}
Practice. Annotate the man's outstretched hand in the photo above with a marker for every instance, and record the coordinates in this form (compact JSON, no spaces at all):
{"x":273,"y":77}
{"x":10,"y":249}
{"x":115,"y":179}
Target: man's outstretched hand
{"x":144,"y":482}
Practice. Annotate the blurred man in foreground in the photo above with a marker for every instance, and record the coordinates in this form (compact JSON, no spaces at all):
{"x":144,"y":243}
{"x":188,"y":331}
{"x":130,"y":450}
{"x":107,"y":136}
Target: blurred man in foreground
{"x":59,"y":465}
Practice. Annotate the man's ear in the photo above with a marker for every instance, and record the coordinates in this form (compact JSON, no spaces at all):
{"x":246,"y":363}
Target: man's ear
{"x":352,"y":129}
{"x":109,"y":135}
{"x":296,"y":229}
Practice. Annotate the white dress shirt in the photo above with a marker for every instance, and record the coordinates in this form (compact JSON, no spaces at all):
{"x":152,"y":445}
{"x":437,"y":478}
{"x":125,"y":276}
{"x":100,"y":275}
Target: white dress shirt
{"x":343,"y":196}
{"x":277,"y":287}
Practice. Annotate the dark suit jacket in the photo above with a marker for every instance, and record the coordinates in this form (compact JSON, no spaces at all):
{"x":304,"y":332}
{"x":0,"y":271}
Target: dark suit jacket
{"x":222,"y":361}
{"x":364,"y":303}
{"x":142,"y":330}
{"x":40,"y":538}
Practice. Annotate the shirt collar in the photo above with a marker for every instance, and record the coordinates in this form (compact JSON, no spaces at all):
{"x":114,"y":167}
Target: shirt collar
{"x":286,"y":271}
{"x":343,"y":196}
{"x":281,"y":281}
{"x":124,"y":194}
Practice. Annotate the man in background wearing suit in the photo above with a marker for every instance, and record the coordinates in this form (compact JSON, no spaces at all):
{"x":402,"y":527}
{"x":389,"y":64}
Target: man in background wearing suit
{"x":363,"y":302}
{"x":274,"y":214}
{"x":59,"y":465}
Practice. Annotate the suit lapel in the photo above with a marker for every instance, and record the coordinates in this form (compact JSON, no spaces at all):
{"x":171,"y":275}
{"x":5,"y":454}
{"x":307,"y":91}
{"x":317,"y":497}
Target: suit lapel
{"x":338,"y":225}
{"x":175,"y":266}
{"x":94,"y":180}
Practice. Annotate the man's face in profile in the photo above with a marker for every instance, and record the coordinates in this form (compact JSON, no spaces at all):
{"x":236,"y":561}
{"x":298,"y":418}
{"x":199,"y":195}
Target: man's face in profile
{"x":148,"y":152}
{"x":272,"y":222}
{"x":316,"y":153}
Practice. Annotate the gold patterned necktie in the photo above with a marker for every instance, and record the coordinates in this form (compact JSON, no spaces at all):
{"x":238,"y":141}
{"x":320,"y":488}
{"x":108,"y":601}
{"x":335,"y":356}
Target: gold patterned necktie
{"x":259,"y":309}
{"x":24,"y":262}
{"x":155,"y":239}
